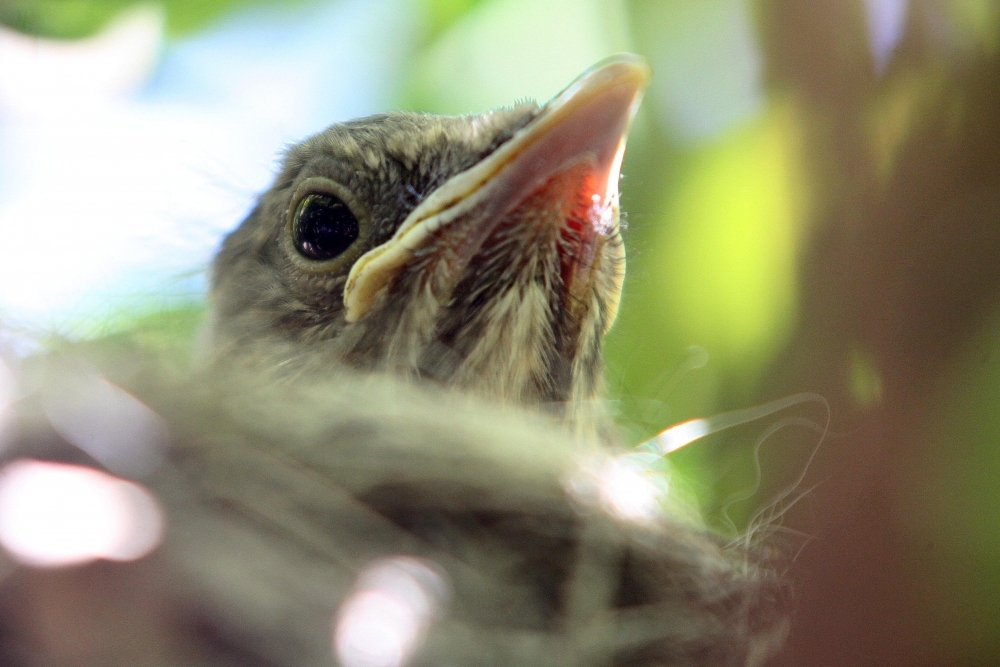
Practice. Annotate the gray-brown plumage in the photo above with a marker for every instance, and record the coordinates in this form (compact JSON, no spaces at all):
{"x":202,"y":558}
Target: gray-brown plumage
{"x":484,"y":251}
{"x":386,"y":327}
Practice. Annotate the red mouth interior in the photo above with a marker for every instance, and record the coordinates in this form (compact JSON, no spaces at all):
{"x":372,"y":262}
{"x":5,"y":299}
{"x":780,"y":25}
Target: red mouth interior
{"x":563,"y":211}
{"x":580,"y":239}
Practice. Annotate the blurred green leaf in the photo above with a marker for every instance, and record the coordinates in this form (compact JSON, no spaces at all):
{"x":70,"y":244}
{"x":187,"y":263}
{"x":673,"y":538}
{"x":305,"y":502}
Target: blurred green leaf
{"x":865,"y":381}
{"x":507,"y":50}
{"x":441,"y":14}
{"x":708,"y":64}
{"x":75,"y":19}
{"x":63,"y":19}
{"x":975,"y":22}
{"x":728,"y":244}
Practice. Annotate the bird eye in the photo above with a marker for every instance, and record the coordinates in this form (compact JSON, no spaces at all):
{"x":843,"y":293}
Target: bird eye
{"x":324,"y":227}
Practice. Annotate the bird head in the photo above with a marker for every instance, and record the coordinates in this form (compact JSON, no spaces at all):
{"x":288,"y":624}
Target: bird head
{"x":482,"y":252}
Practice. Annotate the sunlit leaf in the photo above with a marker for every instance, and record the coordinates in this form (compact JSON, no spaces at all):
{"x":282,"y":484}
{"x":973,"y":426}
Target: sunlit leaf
{"x":727,"y":250}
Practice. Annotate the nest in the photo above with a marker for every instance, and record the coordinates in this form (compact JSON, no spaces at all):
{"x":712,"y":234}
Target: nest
{"x":287,"y":504}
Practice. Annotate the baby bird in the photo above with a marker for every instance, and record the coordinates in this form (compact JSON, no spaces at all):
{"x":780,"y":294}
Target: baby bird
{"x":480,"y":258}
{"x":366,"y":471}
{"x":482,"y":253}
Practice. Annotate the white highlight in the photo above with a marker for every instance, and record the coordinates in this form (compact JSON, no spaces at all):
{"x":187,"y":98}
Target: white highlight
{"x":603,"y":212}
{"x":886,"y":24}
{"x":627,"y":490}
{"x":53,"y":514}
{"x":615,"y":175}
{"x":384,"y":619}
{"x":681,"y":434}
{"x":622,"y":485}
{"x":107,"y":422}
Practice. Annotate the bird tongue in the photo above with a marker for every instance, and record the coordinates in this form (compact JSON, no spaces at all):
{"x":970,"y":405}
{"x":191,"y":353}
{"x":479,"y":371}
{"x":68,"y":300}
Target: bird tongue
{"x":568,"y":158}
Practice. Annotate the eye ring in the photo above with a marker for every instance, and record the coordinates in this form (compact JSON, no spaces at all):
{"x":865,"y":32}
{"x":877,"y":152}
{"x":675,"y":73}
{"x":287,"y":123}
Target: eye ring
{"x":326,"y":226}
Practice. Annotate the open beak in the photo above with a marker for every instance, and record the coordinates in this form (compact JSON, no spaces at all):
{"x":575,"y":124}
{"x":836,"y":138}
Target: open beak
{"x":566,"y":160}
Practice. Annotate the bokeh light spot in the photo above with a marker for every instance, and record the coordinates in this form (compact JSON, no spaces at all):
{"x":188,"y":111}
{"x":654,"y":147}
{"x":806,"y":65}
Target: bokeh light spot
{"x":52,"y":514}
{"x":382,"y":622}
{"x":621,"y":485}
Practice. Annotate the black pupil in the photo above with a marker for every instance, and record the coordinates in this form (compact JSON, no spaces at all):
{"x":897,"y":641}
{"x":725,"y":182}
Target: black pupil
{"x":324,"y":227}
